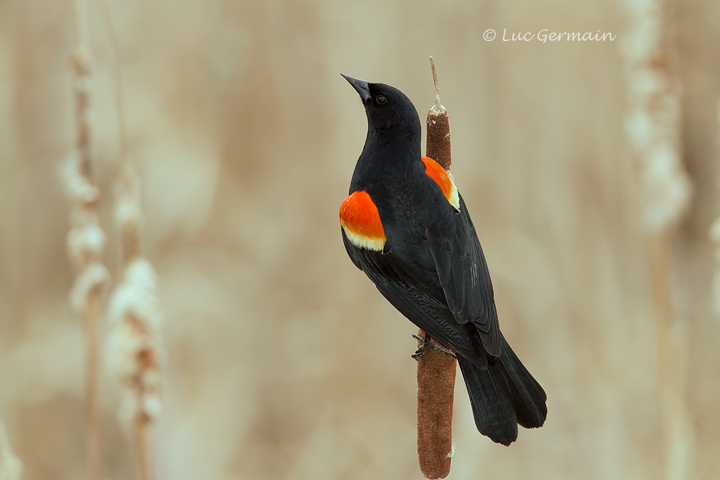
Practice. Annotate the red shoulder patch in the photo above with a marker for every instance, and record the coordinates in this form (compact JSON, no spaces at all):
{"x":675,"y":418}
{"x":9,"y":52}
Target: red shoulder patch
{"x":444,"y":179}
{"x":360,"y":220}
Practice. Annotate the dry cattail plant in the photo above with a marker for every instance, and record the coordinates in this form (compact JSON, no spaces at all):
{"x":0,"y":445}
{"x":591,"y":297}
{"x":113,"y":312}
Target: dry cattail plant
{"x":134,"y":347}
{"x":715,"y":239}
{"x":10,"y":465}
{"x":436,"y":370}
{"x":86,"y":240}
{"x":653,"y":112}
{"x":653,"y":126}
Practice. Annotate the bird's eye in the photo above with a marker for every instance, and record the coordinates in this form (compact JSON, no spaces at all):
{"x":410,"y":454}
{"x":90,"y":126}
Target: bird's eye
{"x":381,"y":100}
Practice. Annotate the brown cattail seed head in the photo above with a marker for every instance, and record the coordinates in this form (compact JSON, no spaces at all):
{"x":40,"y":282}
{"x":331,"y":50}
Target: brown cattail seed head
{"x":438,"y":129}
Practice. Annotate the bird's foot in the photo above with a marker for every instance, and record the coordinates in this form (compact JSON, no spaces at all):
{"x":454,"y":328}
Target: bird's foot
{"x":426,"y":343}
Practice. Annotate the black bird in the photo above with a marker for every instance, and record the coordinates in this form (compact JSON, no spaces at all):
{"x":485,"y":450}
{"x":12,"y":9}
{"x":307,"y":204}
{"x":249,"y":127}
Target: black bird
{"x":406,"y":226}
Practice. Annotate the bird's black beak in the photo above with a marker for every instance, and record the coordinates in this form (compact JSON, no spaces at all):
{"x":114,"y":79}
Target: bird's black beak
{"x":360,"y":86}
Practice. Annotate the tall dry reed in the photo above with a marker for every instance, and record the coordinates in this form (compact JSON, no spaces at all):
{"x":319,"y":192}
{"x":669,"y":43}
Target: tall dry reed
{"x":86,"y":239}
{"x":653,"y":127}
{"x":134,"y":348}
{"x":715,"y":239}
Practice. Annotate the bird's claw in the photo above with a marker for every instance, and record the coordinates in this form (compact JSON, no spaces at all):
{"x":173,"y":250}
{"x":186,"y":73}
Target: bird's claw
{"x":426,"y":343}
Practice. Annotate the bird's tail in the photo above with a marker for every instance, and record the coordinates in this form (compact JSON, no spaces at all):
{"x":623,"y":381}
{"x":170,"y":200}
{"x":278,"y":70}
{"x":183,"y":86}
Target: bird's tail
{"x":503,"y":395}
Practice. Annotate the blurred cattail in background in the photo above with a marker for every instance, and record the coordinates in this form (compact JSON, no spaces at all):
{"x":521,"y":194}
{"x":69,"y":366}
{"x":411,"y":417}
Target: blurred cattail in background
{"x":10,"y":465}
{"x":715,"y":238}
{"x":653,"y":126}
{"x":654,"y":112}
{"x":134,"y":349}
{"x":86,"y":240}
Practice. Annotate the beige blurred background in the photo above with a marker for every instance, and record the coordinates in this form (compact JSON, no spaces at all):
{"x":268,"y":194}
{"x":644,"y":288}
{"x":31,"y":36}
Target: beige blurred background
{"x":283,"y":362}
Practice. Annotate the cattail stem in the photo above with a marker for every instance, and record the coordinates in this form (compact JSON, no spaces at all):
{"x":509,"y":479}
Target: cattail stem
{"x":672,"y":362}
{"x":141,"y":446}
{"x":436,"y":370}
{"x":86,"y":239}
{"x":94,"y":466}
{"x":128,"y":185}
{"x":714,"y":235}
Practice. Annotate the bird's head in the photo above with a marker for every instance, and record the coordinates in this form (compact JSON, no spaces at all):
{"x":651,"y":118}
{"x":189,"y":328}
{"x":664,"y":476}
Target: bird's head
{"x":389,"y":111}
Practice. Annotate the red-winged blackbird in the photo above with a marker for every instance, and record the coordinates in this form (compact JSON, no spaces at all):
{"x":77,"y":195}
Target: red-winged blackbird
{"x":406,"y":226}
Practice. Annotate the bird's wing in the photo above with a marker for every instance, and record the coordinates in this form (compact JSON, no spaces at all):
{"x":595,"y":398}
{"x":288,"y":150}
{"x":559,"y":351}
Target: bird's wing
{"x":424,"y":306}
{"x":464,"y":276}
